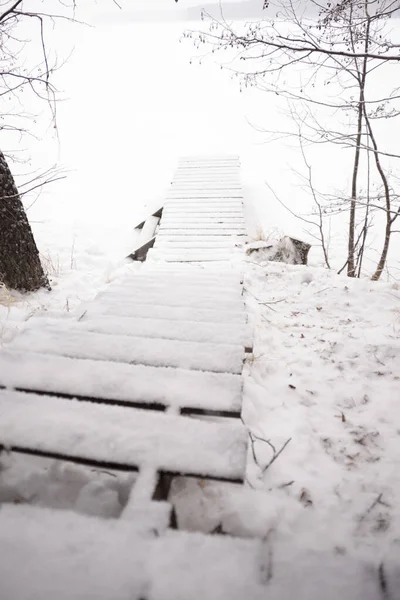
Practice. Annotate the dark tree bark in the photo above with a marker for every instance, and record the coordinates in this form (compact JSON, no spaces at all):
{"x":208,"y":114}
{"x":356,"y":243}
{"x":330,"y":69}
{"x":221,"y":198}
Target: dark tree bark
{"x":20,"y":267}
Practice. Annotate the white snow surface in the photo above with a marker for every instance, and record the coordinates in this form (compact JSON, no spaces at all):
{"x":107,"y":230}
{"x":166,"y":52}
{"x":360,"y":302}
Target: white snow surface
{"x":81,"y":558}
{"x":326,"y":376}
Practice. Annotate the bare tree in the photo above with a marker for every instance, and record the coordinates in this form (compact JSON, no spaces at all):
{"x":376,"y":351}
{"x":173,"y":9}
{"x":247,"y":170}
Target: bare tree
{"x":20,"y":266}
{"x":345,"y":45}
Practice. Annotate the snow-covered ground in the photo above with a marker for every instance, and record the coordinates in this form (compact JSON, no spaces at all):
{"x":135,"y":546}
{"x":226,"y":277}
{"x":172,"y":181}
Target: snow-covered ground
{"x":322,"y":391}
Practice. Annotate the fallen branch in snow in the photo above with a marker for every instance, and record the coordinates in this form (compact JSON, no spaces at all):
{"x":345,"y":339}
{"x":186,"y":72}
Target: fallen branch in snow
{"x":275,"y":454}
{"x":267,"y":568}
{"x":383,"y":581}
{"x":267,"y":303}
{"x":378,"y":500}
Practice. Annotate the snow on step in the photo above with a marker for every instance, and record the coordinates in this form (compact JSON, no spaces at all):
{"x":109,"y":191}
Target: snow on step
{"x":210,"y":226}
{"x":195,"y":205}
{"x":114,"y":434}
{"x":159,"y":277}
{"x":179,"y":244}
{"x":207,"y":179}
{"x":49,"y":554}
{"x":183,"y":294}
{"x":173,"y":297}
{"x":209,"y":163}
{"x":212,"y":216}
{"x":191,"y":255}
{"x":205,"y":218}
{"x":207,"y":194}
{"x":204,"y":200}
{"x":228,"y":182}
{"x":213,"y":285}
{"x":133,"y":350}
{"x":216,"y":242}
{"x":209,"y":160}
{"x":175,"y":313}
{"x":200,"y":231}
{"x":118,"y":381}
{"x":194,"y":257}
{"x":187,"y":331}
{"x":224,"y":205}
{"x":201,"y":168}
{"x":230,"y":240}
{"x":214,"y":187}
{"x":207,"y":214}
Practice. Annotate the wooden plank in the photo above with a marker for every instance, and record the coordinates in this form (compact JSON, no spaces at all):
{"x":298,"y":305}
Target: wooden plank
{"x":179,"y":243}
{"x":218,"y":358}
{"x":172,"y":194}
{"x":208,"y":160}
{"x":206,"y":253}
{"x":178,"y":292}
{"x":172,"y":224}
{"x":187,"y":331}
{"x":201,"y":172}
{"x":196,"y":242}
{"x":188,"y":212}
{"x":140,"y":254}
{"x":192,"y":257}
{"x":205,"y":218}
{"x":206,"y":179}
{"x":218,"y":185}
{"x":194,"y":223}
{"x":209,"y":164}
{"x":120,"y":383}
{"x":182,"y":296}
{"x":219,"y":282}
{"x":171,"y":232}
{"x":157,"y":276}
{"x":211,"y":202}
{"x":127,"y":438}
{"x":175,"y":313}
{"x":217,"y":208}
{"x":230,"y":168}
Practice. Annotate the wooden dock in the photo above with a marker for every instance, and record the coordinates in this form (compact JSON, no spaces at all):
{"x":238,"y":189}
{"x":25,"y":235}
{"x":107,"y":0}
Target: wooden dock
{"x":146,"y":378}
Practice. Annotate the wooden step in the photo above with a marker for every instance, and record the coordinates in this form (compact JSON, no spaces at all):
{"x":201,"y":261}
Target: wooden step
{"x":173,"y":224}
{"x":187,"y":298}
{"x":191,"y":257}
{"x":219,"y":358}
{"x":135,"y":385}
{"x":172,"y":232}
{"x":199,"y":187}
{"x":153,"y":291}
{"x":188,"y":194}
{"x":188,"y":331}
{"x":175,"y":313}
{"x":206,"y":179}
{"x":173,"y":243}
{"x":207,"y":169}
{"x":205,"y":218}
{"x":211,"y":278}
{"x":213,"y":206}
{"x":121,"y":437}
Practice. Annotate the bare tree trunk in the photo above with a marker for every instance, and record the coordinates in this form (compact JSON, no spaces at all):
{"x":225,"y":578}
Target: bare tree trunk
{"x":385,"y":249}
{"x":351,"y":269}
{"x":20,"y":267}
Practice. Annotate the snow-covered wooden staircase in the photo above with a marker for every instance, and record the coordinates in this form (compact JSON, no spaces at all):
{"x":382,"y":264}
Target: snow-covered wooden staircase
{"x":146,"y":378}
